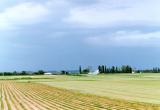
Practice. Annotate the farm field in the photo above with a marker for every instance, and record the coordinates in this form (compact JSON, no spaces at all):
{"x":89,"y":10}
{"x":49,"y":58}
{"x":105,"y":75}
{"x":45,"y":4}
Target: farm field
{"x":139,"y":88}
{"x":30,"y":96}
{"x":102,"y":92}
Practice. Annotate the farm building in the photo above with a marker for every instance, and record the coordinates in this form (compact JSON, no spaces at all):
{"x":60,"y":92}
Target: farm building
{"x":47,"y":73}
{"x":94,"y":72}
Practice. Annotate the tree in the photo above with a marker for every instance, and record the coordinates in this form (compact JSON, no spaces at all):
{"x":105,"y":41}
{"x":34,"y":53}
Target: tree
{"x":105,"y":69}
{"x":80,"y":69}
{"x":64,"y":72}
{"x":86,"y":71}
{"x":23,"y":73}
{"x":117,"y":70}
{"x":15,"y":73}
{"x":100,"y":69}
{"x":113,"y":69}
{"x":126,"y":69}
{"x":40,"y":72}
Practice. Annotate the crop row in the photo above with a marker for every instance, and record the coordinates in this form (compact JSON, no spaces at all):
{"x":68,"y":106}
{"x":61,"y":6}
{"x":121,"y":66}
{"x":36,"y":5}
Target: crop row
{"x":30,"y":96}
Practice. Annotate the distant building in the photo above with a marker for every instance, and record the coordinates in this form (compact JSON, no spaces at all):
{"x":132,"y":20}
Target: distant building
{"x":47,"y":73}
{"x":94,"y":72}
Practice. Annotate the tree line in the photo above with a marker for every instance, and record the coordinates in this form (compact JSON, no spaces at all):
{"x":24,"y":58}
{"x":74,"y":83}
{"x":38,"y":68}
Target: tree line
{"x":125,"y":69}
{"x":153,"y":70}
{"x":103,"y":69}
{"x":115,"y":69}
{"x":40,"y":72}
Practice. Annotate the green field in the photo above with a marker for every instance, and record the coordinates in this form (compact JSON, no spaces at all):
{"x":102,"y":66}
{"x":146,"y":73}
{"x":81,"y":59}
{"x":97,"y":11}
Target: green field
{"x":141,"y":88}
{"x":130,"y":87}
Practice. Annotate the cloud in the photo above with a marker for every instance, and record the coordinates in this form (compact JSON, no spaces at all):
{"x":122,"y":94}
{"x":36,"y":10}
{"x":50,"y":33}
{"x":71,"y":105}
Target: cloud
{"x":24,"y":13}
{"x":126,"y":39}
{"x":100,"y":13}
{"x":33,"y":12}
{"x":107,"y":13}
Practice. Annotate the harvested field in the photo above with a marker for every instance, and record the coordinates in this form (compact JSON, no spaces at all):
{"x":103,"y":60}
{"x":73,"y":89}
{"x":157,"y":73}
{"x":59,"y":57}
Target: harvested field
{"x":30,"y":96}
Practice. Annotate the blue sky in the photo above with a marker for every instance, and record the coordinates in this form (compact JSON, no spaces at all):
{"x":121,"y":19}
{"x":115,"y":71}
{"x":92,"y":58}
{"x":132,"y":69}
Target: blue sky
{"x":63,"y":34}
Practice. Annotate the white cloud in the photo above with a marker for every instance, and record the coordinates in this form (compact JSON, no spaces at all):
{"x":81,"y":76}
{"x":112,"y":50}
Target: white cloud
{"x":117,"y":12}
{"x":24,"y":13}
{"x":127,"y":39}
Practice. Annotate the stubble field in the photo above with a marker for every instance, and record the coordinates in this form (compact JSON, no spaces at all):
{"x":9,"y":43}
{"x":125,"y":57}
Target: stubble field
{"x":80,"y":92}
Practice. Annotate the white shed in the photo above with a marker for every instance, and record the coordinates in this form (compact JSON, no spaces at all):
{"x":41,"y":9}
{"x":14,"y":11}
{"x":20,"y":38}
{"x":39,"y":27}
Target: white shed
{"x":47,"y":73}
{"x":94,"y":73}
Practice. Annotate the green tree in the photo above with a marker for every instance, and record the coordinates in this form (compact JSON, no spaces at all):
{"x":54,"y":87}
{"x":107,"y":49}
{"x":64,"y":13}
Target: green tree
{"x":40,"y":72}
{"x":23,"y":73}
{"x":126,"y":69}
{"x":80,"y":69}
{"x":86,"y":71}
{"x":113,"y":69}
{"x":100,"y":68}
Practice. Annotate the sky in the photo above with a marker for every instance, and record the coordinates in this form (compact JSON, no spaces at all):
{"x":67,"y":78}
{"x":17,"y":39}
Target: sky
{"x":63,"y":34}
